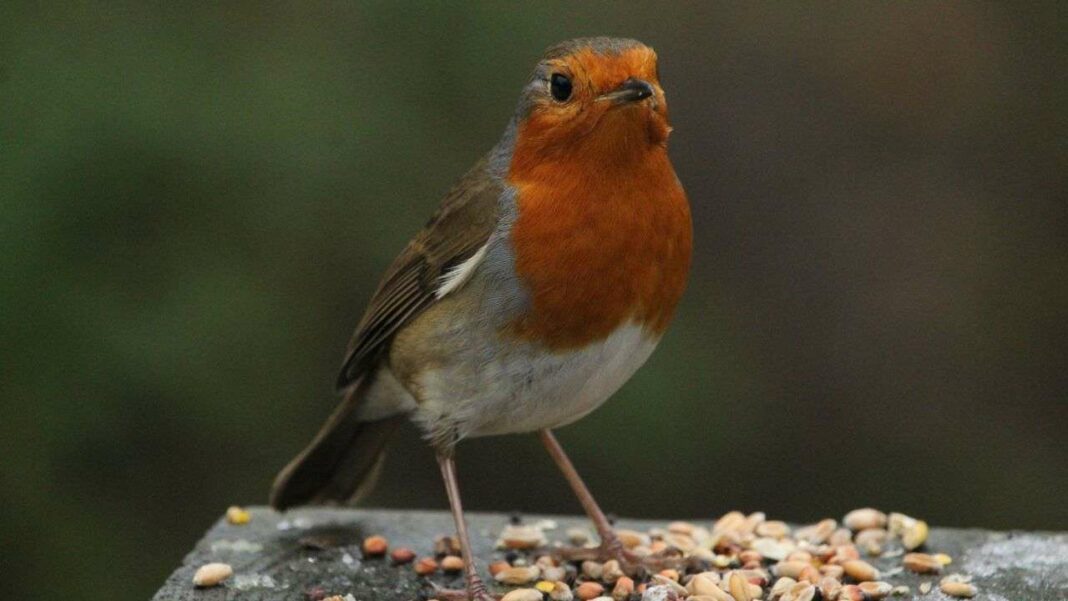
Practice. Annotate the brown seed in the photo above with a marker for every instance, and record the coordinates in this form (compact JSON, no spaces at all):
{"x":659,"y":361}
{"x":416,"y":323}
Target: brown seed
{"x":452,"y":563}
{"x":212,"y":574}
{"x":402,"y":555}
{"x":518,"y":575}
{"x":921,"y":563}
{"x":522,"y":594}
{"x":861,"y":571}
{"x":374,"y":546}
{"x":862,"y":519}
{"x":497,"y":566}
{"x":875,"y":590}
{"x":958,"y":589}
{"x":588,"y":590}
{"x":623,"y":588}
{"x":426,"y":566}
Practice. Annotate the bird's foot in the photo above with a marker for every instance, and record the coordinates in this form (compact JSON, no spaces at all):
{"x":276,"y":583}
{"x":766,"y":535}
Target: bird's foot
{"x":630,"y":562}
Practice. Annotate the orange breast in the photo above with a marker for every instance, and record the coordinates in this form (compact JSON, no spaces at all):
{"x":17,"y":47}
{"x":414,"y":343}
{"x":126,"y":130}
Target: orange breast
{"x":599,"y":243}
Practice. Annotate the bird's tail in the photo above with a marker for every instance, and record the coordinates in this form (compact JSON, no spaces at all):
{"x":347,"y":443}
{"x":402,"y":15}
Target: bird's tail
{"x":342,"y":463}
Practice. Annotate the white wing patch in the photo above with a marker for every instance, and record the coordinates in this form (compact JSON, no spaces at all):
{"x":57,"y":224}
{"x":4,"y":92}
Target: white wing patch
{"x":458,"y":275}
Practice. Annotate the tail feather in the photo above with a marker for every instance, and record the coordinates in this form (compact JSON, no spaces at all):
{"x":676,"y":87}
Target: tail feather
{"x":341,"y":464}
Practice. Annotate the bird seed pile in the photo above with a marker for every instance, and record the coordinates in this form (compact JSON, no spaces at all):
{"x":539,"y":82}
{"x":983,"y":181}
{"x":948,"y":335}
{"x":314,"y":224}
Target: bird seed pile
{"x":737,"y":558}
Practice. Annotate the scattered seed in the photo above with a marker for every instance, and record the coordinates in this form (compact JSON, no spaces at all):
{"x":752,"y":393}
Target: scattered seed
{"x":925,"y":587}
{"x":592,"y":570}
{"x":738,"y":587}
{"x":497,"y":566}
{"x":859,"y":570}
{"x":589,"y":590}
{"x":875,"y":590}
{"x":922,"y":563}
{"x":623,"y":588}
{"x":773,"y":529}
{"x":237,"y":516}
{"x":578,"y":536}
{"x":452,"y":563}
{"x":522,"y":594}
{"x":958,"y":589}
{"x":374,"y":546}
{"x":518,"y":575}
{"x":212,"y":574}
{"x":402,"y":555}
{"x":426,"y":566}
{"x":446,"y":545}
{"x":830,"y":587}
{"x":521,"y":537}
{"x":863,"y":519}
{"x":900,"y":591}
{"x":632,"y":538}
{"x":561,"y":592}
{"x":872,"y":540}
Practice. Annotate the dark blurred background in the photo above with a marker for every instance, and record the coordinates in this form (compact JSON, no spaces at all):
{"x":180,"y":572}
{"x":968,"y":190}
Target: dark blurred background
{"x":196,"y":201}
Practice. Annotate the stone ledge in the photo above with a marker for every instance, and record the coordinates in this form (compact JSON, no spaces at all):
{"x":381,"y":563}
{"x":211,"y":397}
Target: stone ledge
{"x":285,"y":556}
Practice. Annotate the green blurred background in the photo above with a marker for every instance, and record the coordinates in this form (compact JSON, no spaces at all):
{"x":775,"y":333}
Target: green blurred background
{"x":196,"y":201}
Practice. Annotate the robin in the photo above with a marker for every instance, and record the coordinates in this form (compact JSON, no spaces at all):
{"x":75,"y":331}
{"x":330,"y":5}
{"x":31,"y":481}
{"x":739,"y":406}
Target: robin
{"x":544,"y":280}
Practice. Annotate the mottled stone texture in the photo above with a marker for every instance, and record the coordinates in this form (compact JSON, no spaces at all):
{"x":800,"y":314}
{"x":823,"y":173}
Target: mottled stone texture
{"x":288,"y":556}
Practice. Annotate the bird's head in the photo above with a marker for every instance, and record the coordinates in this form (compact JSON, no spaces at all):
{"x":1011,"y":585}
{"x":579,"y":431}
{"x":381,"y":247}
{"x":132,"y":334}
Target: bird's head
{"x":597,"y":96}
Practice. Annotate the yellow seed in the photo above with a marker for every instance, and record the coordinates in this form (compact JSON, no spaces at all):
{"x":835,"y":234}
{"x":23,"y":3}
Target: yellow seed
{"x":237,"y":515}
{"x":545,"y":586}
{"x":943,"y":559}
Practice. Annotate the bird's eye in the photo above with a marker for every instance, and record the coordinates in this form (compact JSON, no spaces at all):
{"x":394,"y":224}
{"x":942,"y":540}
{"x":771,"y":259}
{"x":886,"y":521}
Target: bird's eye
{"x":560,"y":87}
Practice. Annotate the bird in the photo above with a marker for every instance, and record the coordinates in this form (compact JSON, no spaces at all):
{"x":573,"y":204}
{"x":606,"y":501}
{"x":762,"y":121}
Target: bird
{"x":544,"y":280}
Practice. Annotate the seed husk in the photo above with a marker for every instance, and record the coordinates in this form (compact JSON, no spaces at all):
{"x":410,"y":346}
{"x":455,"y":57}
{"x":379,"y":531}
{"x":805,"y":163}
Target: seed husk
{"x":212,"y":574}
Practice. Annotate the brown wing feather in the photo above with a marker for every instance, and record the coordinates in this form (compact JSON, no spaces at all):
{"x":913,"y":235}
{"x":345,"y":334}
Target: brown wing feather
{"x":462,"y":225}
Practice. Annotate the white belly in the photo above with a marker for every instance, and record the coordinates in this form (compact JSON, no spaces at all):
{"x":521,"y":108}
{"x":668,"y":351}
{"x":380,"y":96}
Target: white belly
{"x":527,"y":390}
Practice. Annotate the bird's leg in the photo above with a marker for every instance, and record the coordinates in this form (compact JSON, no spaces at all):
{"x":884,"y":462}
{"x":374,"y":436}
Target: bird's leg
{"x":476,"y":590}
{"x":611,"y":547}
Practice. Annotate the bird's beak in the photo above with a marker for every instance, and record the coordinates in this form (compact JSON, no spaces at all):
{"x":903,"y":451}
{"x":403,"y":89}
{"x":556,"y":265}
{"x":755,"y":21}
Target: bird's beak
{"x":631,"y":90}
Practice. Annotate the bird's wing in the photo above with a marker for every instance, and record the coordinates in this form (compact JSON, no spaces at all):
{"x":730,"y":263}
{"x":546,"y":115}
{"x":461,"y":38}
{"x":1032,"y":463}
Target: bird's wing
{"x":432,"y":265}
